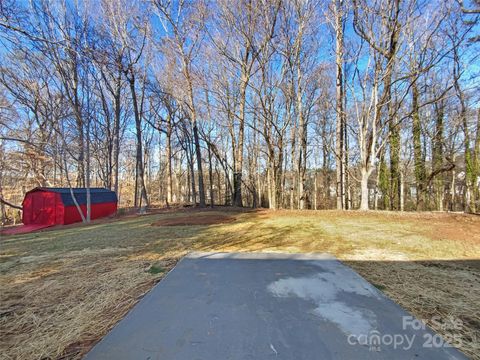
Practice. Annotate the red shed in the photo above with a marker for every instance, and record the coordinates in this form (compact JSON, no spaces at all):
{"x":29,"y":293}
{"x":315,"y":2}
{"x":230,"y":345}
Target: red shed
{"x":55,"y":206}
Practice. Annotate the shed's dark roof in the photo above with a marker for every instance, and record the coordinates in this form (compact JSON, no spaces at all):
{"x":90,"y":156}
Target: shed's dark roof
{"x":75,"y":190}
{"x":97,"y":195}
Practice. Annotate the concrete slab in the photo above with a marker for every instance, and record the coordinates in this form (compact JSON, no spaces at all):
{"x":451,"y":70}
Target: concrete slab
{"x":267,"y":306}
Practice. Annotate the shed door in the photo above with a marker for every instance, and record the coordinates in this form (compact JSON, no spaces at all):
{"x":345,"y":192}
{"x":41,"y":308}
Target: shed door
{"x":43,"y":208}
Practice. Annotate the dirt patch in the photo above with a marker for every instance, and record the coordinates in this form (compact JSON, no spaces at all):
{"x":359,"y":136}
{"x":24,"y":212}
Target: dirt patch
{"x":466,"y":232}
{"x":194,"y":220}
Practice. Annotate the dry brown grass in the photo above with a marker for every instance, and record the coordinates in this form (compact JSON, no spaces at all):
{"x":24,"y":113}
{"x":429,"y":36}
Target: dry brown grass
{"x":55,"y":310}
{"x":189,"y":220}
{"x":64,"y":289}
{"x":433,"y":291}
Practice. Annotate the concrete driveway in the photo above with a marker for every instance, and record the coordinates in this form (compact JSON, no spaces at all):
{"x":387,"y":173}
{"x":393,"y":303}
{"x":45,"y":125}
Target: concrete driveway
{"x":268,"y":306}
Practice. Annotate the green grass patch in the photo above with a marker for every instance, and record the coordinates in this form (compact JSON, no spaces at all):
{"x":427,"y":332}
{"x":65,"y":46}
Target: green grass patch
{"x":155,"y":269}
{"x":380,"y":286}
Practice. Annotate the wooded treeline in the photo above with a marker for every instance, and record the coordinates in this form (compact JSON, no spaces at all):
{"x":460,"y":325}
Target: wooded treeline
{"x":302,"y":104}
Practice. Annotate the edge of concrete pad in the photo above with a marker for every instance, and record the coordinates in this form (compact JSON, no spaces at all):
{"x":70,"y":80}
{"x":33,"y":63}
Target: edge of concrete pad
{"x":270,"y":256}
{"x":259,"y":255}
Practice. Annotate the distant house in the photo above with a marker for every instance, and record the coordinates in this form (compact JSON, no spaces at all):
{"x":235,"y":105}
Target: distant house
{"x":56,"y":206}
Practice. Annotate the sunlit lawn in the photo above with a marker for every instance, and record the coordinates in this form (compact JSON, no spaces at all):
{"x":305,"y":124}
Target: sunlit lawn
{"x":64,"y":289}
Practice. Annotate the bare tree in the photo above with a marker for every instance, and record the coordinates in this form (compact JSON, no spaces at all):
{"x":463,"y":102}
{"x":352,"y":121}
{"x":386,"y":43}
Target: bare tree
{"x":184,"y":24}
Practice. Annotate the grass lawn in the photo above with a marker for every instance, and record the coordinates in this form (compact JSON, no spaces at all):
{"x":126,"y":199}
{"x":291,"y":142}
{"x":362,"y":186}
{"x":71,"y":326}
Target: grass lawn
{"x":62,"y":290}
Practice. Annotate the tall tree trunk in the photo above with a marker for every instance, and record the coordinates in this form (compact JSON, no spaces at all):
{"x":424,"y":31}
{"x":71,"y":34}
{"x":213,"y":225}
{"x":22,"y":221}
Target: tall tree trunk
{"x":228,"y":185}
{"x":192,"y":198}
{"x":469,"y":168}
{"x":238,"y":165}
{"x":394,"y":141}
{"x":210,"y":175}
{"x":254,"y":170}
{"x":219,"y":183}
{"x":418,"y":158}
{"x":470,"y":179}
{"x":383,"y":181}
{"x":326,"y":182}
{"x":347,"y":198}
{"x":387,"y":101}
{"x":87,"y":180}
{"x":402,"y":191}
{"x":271,"y":203}
{"x":116,"y":135}
{"x":453,"y":188}
{"x":302,"y":134}
{"x":198,"y":153}
{"x":365,"y":175}
{"x":476,"y":160}
{"x":377,"y":188}
{"x":340,"y":114}
{"x":81,"y":155}
{"x":140,"y":171}
{"x":196,"y":139}
{"x":293,"y":136}
{"x":302,"y":153}
{"x":437,"y":156}
{"x":168,"y":155}
{"x":87,"y":162}
{"x":80,"y":128}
